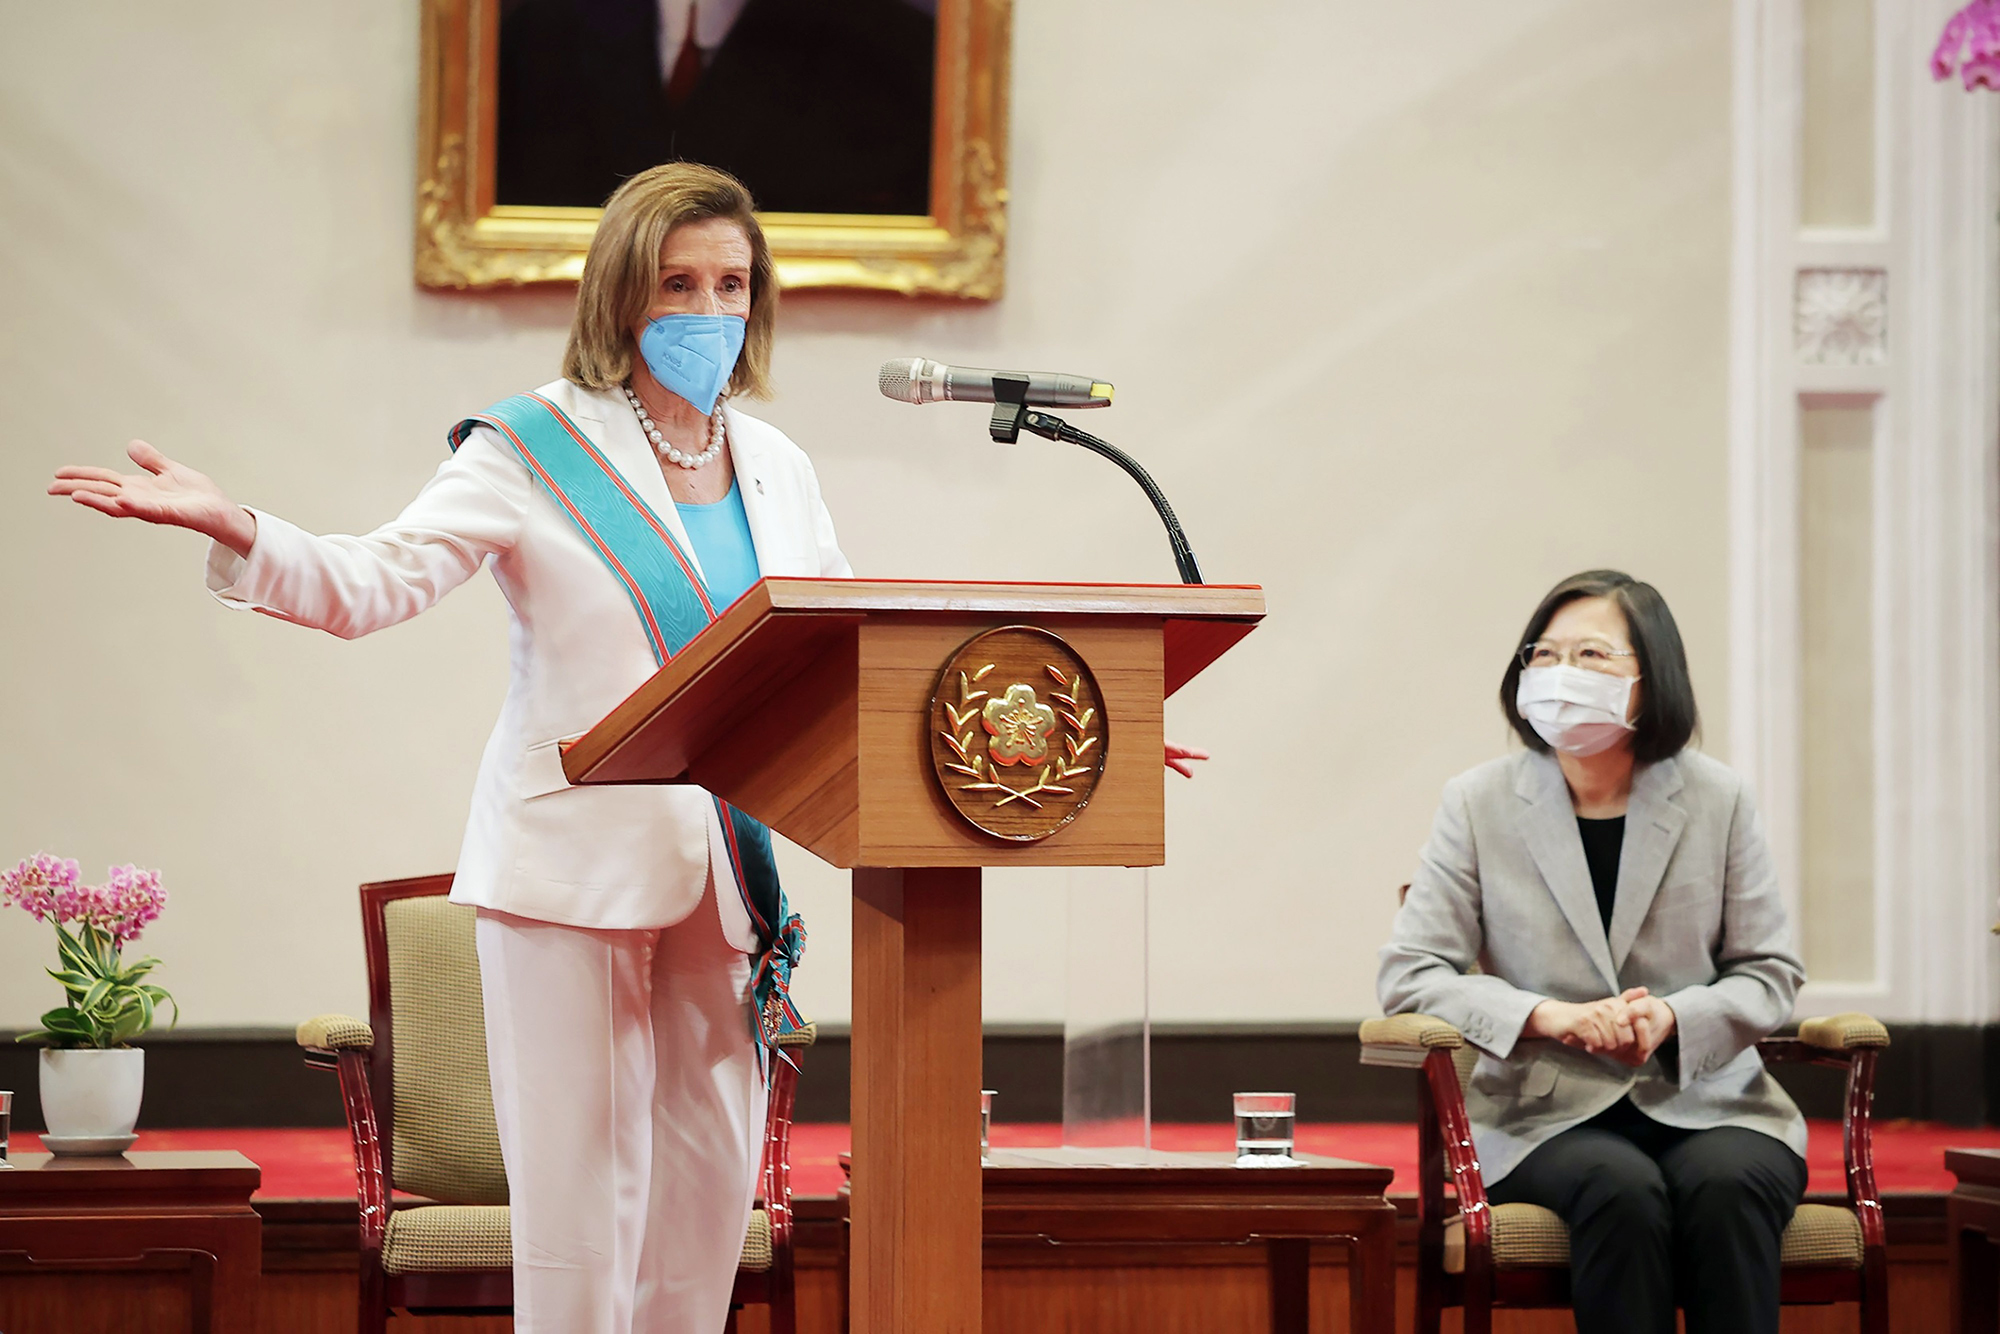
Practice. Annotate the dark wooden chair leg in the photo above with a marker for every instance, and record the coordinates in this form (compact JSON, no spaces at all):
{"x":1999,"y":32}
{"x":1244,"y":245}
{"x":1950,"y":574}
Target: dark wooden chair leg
{"x":1478,"y":1294}
{"x":374,"y":1303}
{"x":784,"y":1304}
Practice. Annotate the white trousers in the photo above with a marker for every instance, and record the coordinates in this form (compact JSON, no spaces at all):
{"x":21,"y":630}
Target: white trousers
{"x":630,"y":1105}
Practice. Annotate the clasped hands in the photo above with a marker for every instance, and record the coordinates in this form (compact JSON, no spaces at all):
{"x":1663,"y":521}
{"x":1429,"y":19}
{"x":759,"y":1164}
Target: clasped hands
{"x":1628,"y":1027}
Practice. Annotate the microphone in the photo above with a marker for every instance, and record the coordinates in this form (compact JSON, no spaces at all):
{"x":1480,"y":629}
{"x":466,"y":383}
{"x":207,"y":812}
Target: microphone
{"x":1014,"y":396}
{"x":918,"y":380}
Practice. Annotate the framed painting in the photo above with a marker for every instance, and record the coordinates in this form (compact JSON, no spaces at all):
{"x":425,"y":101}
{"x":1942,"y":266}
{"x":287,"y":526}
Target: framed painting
{"x":873,"y":133}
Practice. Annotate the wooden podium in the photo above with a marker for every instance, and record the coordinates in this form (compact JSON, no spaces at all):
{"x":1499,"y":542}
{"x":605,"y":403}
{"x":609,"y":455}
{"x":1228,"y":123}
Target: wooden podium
{"x":860,"y":720}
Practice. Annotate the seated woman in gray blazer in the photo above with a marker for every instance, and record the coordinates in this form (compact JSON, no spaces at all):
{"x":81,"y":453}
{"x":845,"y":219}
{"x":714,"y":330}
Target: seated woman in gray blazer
{"x":1615,"y":892}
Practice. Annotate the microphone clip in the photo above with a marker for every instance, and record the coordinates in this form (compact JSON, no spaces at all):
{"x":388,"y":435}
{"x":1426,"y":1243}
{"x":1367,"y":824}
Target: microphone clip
{"x":1012,"y":415}
{"x":1010,"y":408}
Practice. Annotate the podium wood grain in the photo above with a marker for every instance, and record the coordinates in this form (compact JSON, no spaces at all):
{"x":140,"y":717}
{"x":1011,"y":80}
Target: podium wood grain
{"x":807,"y":704}
{"x":916,"y":1070}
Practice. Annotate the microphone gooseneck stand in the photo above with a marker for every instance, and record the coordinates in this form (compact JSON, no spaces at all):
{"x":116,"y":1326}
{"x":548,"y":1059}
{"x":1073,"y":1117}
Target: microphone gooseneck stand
{"x":1011,"y":415}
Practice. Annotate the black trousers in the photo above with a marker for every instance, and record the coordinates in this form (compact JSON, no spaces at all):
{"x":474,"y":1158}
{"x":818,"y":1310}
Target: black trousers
{"x":1658,"y":1214}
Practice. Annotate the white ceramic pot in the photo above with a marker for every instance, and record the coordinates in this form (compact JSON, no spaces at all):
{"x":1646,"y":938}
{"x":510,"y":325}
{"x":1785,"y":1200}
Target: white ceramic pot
{"x":92,"y":1094}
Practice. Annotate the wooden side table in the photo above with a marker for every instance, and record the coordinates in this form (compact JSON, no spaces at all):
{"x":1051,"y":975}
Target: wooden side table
{"x":1104,"y":1197}
{"x":1972,"y":1231}
{"x":146,"y":1211}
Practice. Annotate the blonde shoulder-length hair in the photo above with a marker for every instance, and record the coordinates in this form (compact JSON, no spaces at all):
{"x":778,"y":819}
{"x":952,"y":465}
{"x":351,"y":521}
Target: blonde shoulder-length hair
{"x":622,"y":271}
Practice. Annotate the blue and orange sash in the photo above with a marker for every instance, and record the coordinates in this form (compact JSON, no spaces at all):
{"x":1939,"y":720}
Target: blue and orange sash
{"x":673,"y":607}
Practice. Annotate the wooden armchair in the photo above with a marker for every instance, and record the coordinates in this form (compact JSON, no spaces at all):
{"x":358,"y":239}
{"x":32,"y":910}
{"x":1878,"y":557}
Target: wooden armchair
{"x":1477,"y":1255}
{"x":420,"y":1111}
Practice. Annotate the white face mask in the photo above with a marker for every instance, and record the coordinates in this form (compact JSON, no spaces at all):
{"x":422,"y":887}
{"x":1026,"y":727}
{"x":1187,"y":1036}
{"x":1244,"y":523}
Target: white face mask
{"x":1578,"y":711}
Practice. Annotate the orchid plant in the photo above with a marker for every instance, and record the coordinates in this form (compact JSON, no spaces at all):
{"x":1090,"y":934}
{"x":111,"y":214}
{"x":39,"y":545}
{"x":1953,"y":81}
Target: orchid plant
{"x":110,"y":1002}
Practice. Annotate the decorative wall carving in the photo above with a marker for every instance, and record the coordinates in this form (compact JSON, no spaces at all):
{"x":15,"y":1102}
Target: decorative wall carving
{"x":1840,"y":317}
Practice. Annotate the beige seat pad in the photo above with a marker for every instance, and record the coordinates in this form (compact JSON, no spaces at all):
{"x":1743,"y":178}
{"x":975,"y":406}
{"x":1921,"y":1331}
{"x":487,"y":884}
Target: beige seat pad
{"x":1527,"y":1236}
{"x":447,"y":1238}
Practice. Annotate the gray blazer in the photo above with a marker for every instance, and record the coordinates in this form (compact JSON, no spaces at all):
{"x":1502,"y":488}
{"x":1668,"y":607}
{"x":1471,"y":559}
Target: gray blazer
{"x":1698,"y":921}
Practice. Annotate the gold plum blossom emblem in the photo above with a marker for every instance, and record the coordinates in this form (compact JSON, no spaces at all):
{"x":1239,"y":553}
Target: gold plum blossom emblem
{"x":1019,"y":759}
{"x":1020,"y":726}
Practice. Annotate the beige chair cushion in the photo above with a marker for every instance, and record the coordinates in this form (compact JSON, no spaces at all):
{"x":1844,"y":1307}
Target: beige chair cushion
{"x":334,"y":1032}
{"x":446,"y":1147}
{"x":1410,"y":1030}
{"x":757,"y":1250}
{"x":448,"y":1238}
{"x":1844,"y":1032}
{"x":1527,"y":1236}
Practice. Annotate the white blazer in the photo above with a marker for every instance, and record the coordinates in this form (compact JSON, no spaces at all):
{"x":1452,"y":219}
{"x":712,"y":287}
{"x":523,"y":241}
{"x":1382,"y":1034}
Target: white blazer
{"x":609,"y":857}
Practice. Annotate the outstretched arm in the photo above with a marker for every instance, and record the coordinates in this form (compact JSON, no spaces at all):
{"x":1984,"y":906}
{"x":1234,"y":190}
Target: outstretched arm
{"x":348,"y":586}
{"x":165,"y":492}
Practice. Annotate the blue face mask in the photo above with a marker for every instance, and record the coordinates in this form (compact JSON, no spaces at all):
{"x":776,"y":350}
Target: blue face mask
{"x":694,"y":355}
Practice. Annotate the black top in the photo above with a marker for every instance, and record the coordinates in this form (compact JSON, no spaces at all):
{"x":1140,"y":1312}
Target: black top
{"x":1602,"y":842}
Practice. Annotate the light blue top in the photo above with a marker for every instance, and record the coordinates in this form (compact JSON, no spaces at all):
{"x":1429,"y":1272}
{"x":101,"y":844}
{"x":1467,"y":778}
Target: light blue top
{"x":721,"y":536}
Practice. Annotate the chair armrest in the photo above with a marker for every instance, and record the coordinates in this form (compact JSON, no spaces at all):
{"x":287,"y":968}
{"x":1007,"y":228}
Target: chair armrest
{"x":1855,"y":1041}
{"x":1445,"y":1154}
{"x":343,"y":1045}
{"x":1406,"y":1039}
{"x":777,"y":1166}
{"x":335,"y":1032}
{"x":1843,"y":1032}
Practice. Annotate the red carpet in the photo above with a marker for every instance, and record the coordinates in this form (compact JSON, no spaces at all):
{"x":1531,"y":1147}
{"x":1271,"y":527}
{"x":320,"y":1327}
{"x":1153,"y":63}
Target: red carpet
{"x":316,"y":1164}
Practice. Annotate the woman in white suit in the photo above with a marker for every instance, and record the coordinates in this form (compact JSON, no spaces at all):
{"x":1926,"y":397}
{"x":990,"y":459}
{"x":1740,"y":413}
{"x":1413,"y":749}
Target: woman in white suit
{"x":634,"y":943}
{"x":1616,"y":893}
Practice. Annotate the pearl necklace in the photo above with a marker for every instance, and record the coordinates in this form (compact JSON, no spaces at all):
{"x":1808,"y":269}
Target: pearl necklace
{"x":670,"y":453}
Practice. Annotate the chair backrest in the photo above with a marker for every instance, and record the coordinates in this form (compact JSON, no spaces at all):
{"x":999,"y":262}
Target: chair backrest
{"x":433,"y":1096}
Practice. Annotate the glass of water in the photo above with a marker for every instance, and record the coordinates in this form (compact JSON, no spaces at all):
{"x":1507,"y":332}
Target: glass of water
{"x":985,"y":1120}
{"x":1264,"y":1129}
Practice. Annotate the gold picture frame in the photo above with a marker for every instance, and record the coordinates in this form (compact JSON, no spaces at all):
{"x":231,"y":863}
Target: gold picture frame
{"x":467,"y":241}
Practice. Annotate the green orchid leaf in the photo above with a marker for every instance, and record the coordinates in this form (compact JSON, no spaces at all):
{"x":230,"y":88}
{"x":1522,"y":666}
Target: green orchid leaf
{"x":159,"y":995}
{"x":134,"y":972}
{"x":74,"y":957}
{"x":73,"y":982}
{"x":67,"y":1022}
{"x":127,"y":1028}
{"x":145,"y":1010}
{"x":94,"y":999}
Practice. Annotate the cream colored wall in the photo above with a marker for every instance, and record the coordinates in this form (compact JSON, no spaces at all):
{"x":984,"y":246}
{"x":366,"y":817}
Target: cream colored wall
{"x":1412,"y":308}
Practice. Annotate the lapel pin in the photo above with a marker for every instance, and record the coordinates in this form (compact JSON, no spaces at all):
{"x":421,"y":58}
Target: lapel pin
{"x":760,"y":486}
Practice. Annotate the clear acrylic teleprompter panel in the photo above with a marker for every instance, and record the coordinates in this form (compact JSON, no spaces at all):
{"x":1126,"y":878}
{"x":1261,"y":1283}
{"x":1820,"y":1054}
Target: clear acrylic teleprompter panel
{"x":1107,"y":1036}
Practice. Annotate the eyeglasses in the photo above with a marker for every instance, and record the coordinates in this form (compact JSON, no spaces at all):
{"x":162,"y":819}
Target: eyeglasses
{"x":1594,"y":655}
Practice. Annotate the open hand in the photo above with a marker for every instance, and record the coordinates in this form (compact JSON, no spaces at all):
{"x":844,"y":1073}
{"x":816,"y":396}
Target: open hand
{"x":1181,"y":758}
{"x":165,"y":493}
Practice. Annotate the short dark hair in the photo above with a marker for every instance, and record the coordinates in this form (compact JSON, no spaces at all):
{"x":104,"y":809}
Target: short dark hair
{"x":1667,"y":720}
